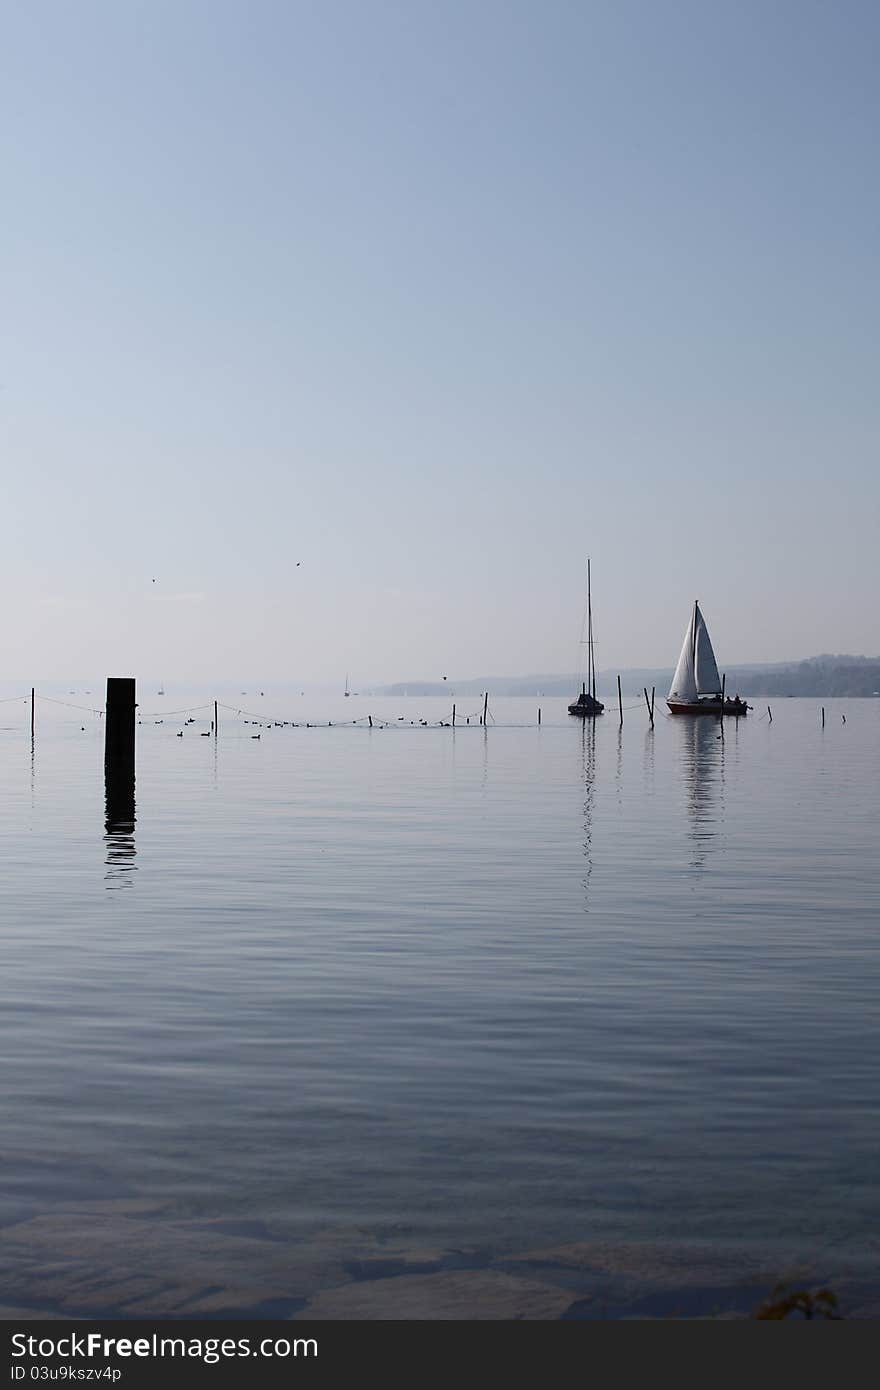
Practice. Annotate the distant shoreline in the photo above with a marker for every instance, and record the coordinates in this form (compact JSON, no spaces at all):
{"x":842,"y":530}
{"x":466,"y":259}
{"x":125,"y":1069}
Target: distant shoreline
{"x":823,"y":677}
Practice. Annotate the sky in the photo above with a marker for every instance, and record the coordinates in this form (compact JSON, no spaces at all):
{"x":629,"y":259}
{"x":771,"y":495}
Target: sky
{"x":335,"y":336}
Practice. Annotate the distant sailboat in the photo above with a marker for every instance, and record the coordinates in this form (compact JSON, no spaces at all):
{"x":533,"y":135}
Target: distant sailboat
{"x":586,"y":706}
{"x":347,"y":691}
{"x":161,"y":690}
{"x":696,"y":686}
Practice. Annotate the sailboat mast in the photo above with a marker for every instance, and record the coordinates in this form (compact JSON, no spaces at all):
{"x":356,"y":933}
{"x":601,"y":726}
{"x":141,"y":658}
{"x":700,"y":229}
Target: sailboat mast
{"x":694,"y":638}
{"x":591,"y":657}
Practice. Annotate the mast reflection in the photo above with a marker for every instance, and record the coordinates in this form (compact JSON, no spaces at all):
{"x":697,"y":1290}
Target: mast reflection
{"x":588,"y":774}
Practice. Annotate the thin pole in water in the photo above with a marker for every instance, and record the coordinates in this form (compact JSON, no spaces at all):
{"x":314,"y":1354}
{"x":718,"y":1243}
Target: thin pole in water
{"x":453,"y":716}
{"x":32,"y":713}
{"x":653,"y":689}
{"x":539,"y":716}
{"x":370,"y":717}
{"x":823,"y":716}
{"x":485,"y":707}
{"x":648,"y":703}
{"x":215,"y":719}
{"x":619,"y":700}
{"x":770,"y":714}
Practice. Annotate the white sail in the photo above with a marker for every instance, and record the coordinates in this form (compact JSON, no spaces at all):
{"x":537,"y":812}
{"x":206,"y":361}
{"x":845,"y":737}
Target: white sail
{"x":684,"y":682}
{"x":707,"y":677}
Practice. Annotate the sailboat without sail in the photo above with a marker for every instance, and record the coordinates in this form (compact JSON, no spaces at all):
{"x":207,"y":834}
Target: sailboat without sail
{"x":696,"y":686}
{"x":586,"y":706}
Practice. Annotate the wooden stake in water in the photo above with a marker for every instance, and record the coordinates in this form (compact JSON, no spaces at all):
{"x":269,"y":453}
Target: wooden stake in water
{"x":216,"y":726}
{"x":32,"y":712}
{"x":619,"y":700}
{"x":119,"y":727}
{"x":648,"y":703}
{"x":485,"y":708}
{"x":539,"y":716}
{"x":453,"y":716}
{"x":770,"y":714}
{"x":653,"y":689}
{"x":823,"y":716}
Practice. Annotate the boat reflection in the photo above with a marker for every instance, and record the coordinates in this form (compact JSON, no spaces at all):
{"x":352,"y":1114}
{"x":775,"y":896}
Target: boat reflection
{"x":588,"y":776}
{"x":119,"y":823}
{"x":702,"y":761}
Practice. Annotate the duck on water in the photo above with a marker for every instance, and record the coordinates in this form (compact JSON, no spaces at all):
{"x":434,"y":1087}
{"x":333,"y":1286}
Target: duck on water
{"x":696,"y":686}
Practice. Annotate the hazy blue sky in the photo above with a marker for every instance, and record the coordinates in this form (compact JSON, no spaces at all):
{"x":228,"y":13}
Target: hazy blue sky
{"x":437,"y":299}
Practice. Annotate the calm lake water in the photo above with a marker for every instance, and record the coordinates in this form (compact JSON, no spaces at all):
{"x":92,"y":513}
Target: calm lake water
{"x":560,"y":1021}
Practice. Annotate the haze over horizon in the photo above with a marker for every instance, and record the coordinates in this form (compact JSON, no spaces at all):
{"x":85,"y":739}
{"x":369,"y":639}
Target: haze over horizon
{"x":336,"y":338}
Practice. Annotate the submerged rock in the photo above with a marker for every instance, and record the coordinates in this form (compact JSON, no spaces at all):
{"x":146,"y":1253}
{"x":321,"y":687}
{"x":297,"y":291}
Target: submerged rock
{"x":478,"y":1294}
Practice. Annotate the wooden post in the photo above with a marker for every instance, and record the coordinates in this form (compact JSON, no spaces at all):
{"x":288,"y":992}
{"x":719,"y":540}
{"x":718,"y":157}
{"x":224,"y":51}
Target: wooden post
{"x":770,"y":714}
{"x":216,"y":726}
{"x":485,"y":708}
{"x":619,"y":700}
{"x":32,"y":713}
{"x":119,"y":813}
{"x":823,"y":716}
{"x":653,"y":691}
{"x":648,"y":703}
{"x":370,"y":717}
{"x":453,"y":716}
{"x":539,"y":716}
{"x":119,"y":726}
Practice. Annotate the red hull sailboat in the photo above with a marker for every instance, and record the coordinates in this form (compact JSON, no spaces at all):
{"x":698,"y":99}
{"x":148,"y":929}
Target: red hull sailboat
{"x":696,"y":686}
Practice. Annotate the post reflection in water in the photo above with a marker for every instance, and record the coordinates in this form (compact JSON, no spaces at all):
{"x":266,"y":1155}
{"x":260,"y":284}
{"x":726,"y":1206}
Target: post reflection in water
{"x":588,"y":773}
{"x":119,"y":822}
{"x":702,"y":760}
{"x":648,"y":759}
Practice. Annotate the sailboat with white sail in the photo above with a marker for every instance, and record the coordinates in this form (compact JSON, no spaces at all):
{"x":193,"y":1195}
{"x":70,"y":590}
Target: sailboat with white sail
{"x":586,"y":706}
{"x":696,"y":686}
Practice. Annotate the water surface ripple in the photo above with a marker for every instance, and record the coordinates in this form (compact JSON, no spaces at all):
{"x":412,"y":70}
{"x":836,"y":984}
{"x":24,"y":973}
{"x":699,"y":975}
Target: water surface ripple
{"x":486,"y":992}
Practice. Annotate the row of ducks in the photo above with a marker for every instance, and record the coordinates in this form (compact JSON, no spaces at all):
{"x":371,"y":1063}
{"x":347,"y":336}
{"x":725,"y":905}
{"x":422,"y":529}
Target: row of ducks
{"x":291,"y":724}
